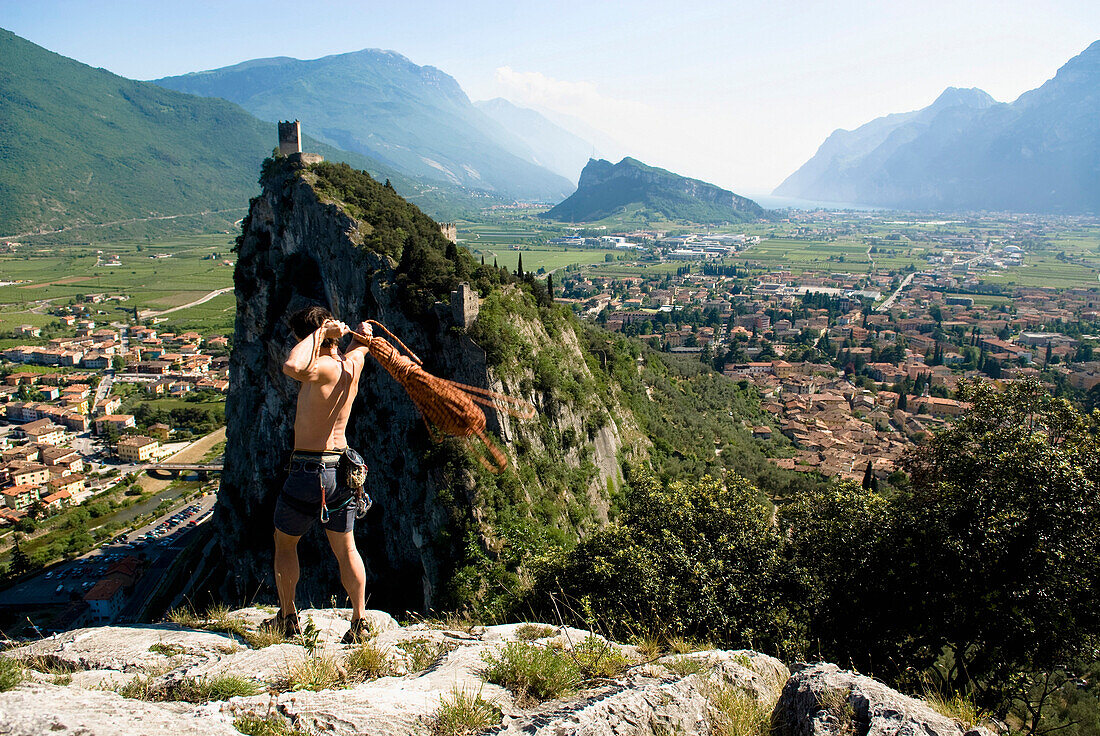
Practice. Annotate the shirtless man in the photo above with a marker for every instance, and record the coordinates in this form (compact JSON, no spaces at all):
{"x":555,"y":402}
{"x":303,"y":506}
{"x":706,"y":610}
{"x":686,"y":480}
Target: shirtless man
{"x":329,"y":382}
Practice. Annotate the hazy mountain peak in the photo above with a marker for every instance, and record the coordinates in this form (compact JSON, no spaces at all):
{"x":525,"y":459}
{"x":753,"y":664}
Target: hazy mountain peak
{"x":967,"y":96}
{"x":967,"y":151}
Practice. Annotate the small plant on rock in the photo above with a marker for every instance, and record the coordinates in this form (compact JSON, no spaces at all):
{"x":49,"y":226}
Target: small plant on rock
{"x":369,"y":662}
{"x":685,"y":666}
{"x":168,"y":650}
{"x":424,"y":653}
{"x":463,"y":713}
{"x":11,"y":673}
{"x":598,"y":659}
{"x":266,"y":635}
{"x":734,"y":712}
{"x":530,"y":632}
{"x":317,"y":673}
{"x":207,"y":689}
{"x":270,"y":726}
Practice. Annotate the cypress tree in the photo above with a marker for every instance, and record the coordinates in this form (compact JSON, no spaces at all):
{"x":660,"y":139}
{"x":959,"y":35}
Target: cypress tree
{"x":519,"y":266}
{"x":550,"y":286}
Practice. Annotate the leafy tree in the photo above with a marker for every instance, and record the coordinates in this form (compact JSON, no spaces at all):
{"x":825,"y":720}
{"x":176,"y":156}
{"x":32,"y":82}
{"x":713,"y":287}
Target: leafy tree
{"x":1000,"y":537}
{"x":20,"y":563}
{"x":695,"y":558}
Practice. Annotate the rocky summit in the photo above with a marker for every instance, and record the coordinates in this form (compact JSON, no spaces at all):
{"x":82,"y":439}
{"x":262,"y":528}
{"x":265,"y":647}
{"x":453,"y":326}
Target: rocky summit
{"x":228,"y":673}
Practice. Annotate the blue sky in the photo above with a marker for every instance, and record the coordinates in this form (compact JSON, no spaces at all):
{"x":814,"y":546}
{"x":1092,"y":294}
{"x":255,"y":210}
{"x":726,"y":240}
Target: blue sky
{"x":737,"y":93}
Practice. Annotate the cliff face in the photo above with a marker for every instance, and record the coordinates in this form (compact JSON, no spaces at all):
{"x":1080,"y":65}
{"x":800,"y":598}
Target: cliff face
{"x":435,"y":510}
{"x":607,"y":189}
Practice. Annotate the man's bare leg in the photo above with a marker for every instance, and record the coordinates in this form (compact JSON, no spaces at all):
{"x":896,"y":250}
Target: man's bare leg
{"x":286,"y":571}
{"x":352,"y":573}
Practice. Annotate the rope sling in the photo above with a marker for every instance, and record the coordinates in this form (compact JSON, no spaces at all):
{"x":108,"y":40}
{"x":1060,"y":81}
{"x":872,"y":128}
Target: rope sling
{"x":447,"y":407}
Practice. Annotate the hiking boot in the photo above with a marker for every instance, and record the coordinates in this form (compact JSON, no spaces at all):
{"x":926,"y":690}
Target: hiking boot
{"x":359,"y":632}
{"x":288,"y":626}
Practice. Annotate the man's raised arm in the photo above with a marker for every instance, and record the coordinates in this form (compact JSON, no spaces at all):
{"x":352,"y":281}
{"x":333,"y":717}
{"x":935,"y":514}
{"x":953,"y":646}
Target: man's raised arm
{"x":301,"y":363}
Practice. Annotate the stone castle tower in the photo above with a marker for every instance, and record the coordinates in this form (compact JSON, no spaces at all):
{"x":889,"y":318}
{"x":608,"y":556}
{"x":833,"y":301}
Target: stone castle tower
{"x":464,"y":305}
{"x":290,"y":137}
{"x":290,"y":143}
{"x":449,"y":230}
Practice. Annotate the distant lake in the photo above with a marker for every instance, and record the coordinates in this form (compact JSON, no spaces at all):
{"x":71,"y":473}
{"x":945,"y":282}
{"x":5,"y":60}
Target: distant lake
{"x":771,"y":202}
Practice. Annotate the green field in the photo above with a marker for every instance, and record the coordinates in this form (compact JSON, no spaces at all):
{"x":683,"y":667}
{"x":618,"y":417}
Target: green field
{"x":546,"y":257}
{"x":58,"y":274}
{"x":1046,"y":271}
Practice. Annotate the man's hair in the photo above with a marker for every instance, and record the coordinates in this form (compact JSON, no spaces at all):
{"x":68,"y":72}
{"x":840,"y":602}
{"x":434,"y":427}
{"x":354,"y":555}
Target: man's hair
{"x":305,"y":321}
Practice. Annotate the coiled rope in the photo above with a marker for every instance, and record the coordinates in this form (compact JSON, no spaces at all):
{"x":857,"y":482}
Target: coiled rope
{"x":447,"y":407}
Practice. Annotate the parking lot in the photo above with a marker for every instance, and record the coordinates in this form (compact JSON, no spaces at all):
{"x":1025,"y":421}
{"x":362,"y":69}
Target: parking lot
{"x":67,"y":581}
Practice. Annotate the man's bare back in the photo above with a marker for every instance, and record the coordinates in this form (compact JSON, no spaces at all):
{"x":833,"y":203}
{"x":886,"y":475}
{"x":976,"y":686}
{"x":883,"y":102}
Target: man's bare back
{"x":329,"y":383}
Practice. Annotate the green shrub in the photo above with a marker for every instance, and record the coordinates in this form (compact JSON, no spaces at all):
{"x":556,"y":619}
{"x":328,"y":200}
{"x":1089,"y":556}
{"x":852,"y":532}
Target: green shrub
{"x":532,"y":671}
{"x":598,"y":659}
{"x":698,"y":557}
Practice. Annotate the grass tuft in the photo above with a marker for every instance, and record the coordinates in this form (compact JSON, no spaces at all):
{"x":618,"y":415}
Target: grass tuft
{"x":11,"y":673}
{"x":168,"y":650}
{"x":191,"y":689}
{"x":681,"y":645}
{"x":464,"y":713}
{"x":317,"y":673}
{"x":269,"y":726}
{"x":530,"y":632}
{"x":958,"y":707}
{"x":733,"y":712}
{"x":423,"y":653}
{"x":265,"y":636}
{"x":185,"y":617}
{"x":49,"y":665}
{"x":598,"y":659}
{"x":685,"y":666}
{"x":369,"y":662}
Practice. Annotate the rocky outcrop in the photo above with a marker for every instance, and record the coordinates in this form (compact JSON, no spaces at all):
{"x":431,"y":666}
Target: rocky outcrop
{"x":148,"y":680}
{"x":427,"y":665}
{"x":606,"y":189}
{"x":824,"y":700}
{"x":301,"y":245}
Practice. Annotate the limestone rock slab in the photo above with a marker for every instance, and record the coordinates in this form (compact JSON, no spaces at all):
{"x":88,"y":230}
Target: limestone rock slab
{"x":127,"y":648}
{"x":42,"y":709}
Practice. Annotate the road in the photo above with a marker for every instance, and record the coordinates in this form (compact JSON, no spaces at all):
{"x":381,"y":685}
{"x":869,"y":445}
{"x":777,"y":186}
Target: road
{"x":893,"y":297}
{"x":146,"y":314}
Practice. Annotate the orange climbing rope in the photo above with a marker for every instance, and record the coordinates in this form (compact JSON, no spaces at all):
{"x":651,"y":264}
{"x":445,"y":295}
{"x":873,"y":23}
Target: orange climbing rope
{"x":446,"y":406}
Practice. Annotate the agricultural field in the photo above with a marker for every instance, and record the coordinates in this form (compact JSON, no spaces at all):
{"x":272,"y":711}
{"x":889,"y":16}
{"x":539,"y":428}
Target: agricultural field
{"x":150,"y":275}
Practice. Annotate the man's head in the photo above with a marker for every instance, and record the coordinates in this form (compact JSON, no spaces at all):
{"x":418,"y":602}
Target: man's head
{"x":305,"y":321}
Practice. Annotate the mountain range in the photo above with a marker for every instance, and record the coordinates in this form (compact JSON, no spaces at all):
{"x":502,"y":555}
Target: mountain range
{"x":632,"y":190}
{"x":84,"y":146}
{"x":1040,"y":153}
{"x":378,"y":103}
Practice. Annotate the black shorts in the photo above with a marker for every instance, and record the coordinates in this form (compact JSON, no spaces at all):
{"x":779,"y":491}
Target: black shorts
{"x":299,"y":504}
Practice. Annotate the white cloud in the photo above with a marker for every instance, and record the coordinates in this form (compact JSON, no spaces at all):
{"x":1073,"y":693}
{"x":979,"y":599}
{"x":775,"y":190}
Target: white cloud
{"x":574,"y":98}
